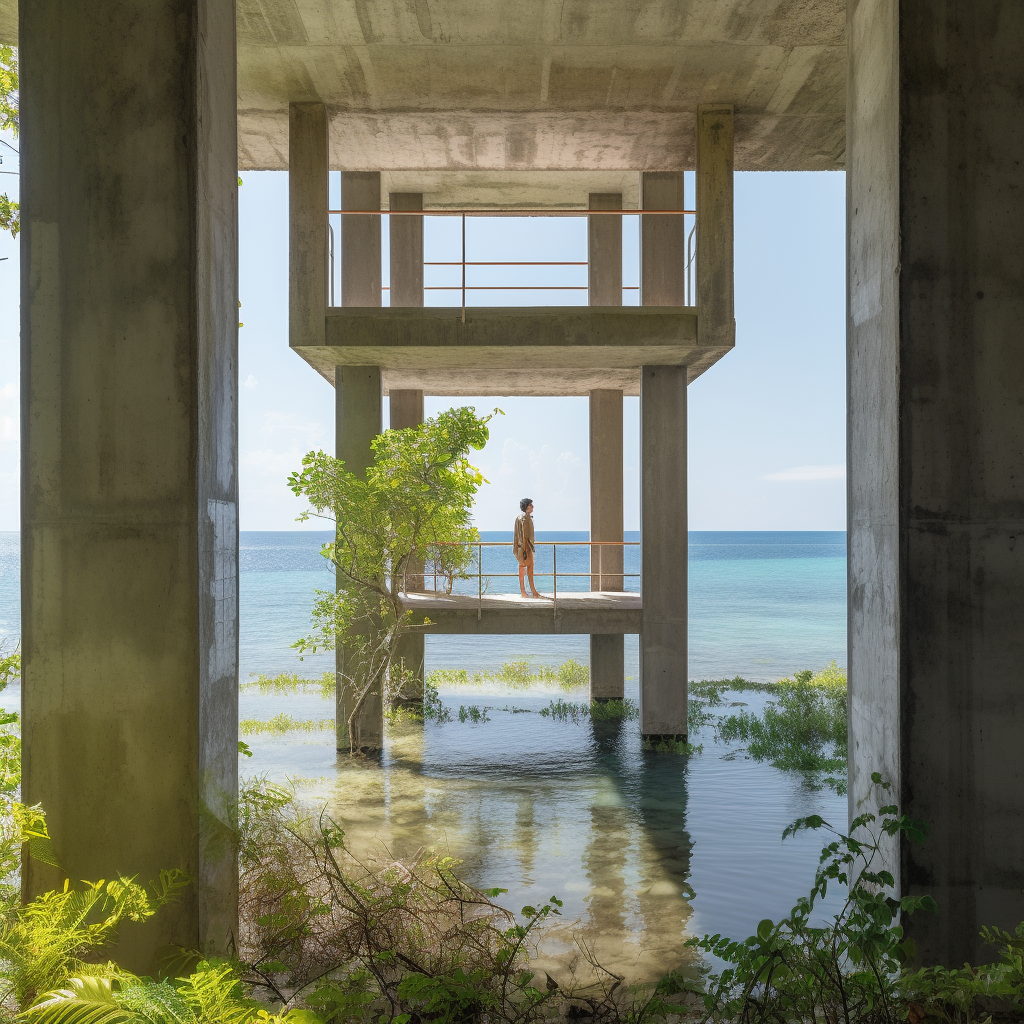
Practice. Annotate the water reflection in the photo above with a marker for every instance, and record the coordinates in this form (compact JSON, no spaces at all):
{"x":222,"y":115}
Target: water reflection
{"x":577,"y":810}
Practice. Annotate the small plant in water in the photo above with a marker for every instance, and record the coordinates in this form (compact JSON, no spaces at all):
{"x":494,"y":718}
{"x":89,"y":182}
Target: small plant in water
{"x":846,"y":971}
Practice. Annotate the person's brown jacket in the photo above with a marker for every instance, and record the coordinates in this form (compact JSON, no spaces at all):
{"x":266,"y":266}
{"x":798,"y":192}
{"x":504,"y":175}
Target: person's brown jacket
{"x":522,"y":540}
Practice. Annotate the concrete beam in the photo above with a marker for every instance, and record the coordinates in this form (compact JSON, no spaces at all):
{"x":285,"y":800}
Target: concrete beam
{"x":715,"y":275}
{"x":503,"y":614}
{"x":512,"y":350}
{"x":129,"y":311}
{"x":308,"y":271}
{"x":935,"y":384}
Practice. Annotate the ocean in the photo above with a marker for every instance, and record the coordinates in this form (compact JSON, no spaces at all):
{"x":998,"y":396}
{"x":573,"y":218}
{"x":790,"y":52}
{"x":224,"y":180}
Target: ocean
{"x":572,"y":808}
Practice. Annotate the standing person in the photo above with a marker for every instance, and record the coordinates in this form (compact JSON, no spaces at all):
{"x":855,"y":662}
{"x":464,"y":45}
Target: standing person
{"x":523,"y":545}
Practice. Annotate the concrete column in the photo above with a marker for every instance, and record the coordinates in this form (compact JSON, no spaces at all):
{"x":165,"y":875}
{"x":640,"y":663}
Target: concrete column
{"x":716,"y":321}
{"x":406,"y":250}
{"x":935,"y":222}
{"x":358,"y":397}
{"x":607,"y":651}
{"x":407,"y":411}
{"x":663,"y":529}
{"x":407,"y":406}
{"x":360,"y":239}
{"x":308,"y":203}
{"x":358,"y":402}
{"x":129,"y":314}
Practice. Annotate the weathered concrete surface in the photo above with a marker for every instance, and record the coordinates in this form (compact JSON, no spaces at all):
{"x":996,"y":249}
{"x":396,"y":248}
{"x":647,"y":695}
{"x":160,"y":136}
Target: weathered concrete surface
{"x":663,"y":551}
{"x":406,"y":409}
{"x":406,"y":251}
{"x":308,"y":287}
{"x":715,"y":262}
{"x":593,"y":84}
{"x":936,"y":446}
{"x":129,"y":486}
{"x":662,"y":241}
{"x":509,"y":613}
{"x":358,"y":405}
{"x":663,"y":512}
{"x":604,"y":257}
{"x":551,"y":350}
{"x":360,"y":240}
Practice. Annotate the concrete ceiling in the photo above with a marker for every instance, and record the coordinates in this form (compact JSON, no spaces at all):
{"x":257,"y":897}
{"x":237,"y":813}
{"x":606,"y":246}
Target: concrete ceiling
{"x":539,"y":85}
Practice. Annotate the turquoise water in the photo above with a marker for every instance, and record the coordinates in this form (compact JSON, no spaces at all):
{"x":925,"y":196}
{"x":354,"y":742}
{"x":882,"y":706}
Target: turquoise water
{"x":761,"y":605}
{"x":580,"y":810}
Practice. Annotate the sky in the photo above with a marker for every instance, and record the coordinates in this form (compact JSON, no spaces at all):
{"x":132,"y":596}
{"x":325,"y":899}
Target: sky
{"x":766,"y":424}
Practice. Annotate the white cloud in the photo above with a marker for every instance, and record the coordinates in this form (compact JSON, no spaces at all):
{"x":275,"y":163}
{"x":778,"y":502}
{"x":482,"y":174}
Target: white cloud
{"x":836,"y":471}
{"x":9,"y":430}
{"x":250,"y":382}
{"x":8,"y":391}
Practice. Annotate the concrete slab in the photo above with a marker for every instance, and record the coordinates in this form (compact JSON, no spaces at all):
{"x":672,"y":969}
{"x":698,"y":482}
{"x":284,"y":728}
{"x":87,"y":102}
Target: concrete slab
{"x":604,"y":85}
{"x":551,"y":350}
{"x":575,"y":613}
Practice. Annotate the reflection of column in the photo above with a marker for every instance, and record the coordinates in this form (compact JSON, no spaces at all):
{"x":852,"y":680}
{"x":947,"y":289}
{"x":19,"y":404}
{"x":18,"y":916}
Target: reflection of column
{"x":604,"y":862}
{"x":663,"y":518}
{"x":358,"y":417}
{"x":129,"y":468}
{"x":526,"y":838}
{"x":607,"y":651}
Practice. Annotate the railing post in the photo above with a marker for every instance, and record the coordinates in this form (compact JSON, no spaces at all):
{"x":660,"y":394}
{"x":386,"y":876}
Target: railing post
{"x":479,"y":581}
{"x":554,"y":580}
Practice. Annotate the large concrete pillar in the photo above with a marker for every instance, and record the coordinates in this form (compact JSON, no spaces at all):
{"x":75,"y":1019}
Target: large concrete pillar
{"x":935,"y":220}
{"x":129,"y":314}
{"x":663,"y":530}
{"x":358,"y":398}
{"x":607,"y":651}
{"x":716,"y":322}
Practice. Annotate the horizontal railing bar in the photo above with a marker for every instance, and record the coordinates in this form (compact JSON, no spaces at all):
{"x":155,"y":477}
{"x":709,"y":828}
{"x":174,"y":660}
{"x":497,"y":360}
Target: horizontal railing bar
{"x":564,"y":543}
{"x":505,"y":288}
{"x":532,"y":263}
{"x":512,"y":213}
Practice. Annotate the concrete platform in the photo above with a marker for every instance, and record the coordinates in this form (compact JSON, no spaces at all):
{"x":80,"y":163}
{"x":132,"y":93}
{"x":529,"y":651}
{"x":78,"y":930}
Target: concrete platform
{"x":575,"y":613}
{"x":518,"y":350}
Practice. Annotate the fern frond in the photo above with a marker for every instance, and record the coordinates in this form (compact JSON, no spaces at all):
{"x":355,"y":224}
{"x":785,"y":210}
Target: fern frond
{"x":85,"y":1001}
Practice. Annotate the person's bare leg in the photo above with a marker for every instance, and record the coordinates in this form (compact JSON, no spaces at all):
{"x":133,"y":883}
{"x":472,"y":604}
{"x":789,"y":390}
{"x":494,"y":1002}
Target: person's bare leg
{"x":533,"y":586}
{"x":522,"y":584}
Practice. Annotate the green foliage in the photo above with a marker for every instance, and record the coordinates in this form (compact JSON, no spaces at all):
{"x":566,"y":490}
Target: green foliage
{"x":595,"y":711}
{"x":291,"y":683}
{"x":845,"y":971}
{"x":48,"y":940}
{"x":283,"y":723}
{"x":212,"y":994}
{"x":670,"y":745}
{"x":802,"y":729}
{"x":966,"y":995}
{"x":516,"y":675}
{"x":414,"y":505}
{"x":472,"y":713}
{"x":10,"y":217}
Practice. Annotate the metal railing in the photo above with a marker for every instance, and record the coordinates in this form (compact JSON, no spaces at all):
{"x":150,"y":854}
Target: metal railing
{"x":463,"y":263}
{"x":615,"y":574}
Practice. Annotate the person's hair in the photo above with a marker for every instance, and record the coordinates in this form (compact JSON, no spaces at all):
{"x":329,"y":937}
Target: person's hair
{"x":525,"y":504}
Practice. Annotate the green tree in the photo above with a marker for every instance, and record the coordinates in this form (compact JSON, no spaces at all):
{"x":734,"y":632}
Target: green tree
{"x":412,"y":509}
{"x":10,"y":218}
